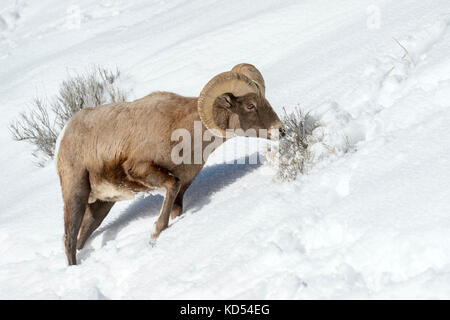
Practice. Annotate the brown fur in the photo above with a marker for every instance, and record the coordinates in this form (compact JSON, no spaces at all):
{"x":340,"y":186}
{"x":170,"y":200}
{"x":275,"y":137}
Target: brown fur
{"x":110,"y":152}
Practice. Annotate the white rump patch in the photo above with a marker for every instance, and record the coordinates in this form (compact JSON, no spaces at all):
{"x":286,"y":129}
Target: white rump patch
{"x":58,"y":143}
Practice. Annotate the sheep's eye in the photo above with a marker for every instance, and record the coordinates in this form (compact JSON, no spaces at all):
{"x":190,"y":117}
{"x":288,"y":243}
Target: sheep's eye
{"x":251,"y":106}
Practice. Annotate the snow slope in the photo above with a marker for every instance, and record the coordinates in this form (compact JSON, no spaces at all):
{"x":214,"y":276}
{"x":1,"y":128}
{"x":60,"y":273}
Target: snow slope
{"x":372,"y":222}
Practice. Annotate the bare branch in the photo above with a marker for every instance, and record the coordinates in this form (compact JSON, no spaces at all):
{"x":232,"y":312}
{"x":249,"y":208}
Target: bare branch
{"x":41,"y":125}
{"x":404,"y":49}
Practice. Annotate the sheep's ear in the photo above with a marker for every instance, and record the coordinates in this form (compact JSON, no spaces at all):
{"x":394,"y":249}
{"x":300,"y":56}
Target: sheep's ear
{"x":225,"y":101}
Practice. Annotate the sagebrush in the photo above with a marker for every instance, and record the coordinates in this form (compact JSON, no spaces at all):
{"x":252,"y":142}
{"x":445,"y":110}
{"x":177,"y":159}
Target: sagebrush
{"x":294,"y":152}
{"x":42,"y":123}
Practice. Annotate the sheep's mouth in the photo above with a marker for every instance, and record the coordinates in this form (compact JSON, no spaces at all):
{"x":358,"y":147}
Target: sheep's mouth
{"x":276,"y":134}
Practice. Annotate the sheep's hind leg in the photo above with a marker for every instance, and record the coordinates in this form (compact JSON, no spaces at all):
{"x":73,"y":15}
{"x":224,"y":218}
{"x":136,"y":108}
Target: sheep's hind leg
{"x":75,"y":194}
{"x":93,"y":217}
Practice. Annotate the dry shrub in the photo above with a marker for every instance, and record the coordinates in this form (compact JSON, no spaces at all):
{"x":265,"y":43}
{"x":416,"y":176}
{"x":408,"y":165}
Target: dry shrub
{"x":41,"y":125}
{"x":293,"y":151}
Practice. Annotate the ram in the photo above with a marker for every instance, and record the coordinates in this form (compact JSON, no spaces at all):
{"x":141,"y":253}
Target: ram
{"x":111,"y":152}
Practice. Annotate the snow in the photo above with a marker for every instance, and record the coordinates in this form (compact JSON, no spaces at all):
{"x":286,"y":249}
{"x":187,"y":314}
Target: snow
{"x":369,"y":220}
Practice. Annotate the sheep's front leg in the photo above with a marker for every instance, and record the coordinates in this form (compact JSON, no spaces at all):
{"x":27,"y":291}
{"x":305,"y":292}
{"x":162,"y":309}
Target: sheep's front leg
{"x":177,"y":208}
{"x":172,"y":186}
{"x":154,"y":176}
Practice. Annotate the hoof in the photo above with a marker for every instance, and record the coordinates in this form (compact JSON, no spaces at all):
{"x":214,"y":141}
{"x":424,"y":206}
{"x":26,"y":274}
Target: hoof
{"x":176,"y":212}
{"x":154,"y":233}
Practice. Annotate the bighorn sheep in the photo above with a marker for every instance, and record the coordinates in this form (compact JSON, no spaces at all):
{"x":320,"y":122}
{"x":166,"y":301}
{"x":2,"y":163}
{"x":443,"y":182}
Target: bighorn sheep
{"x":109,"y":153}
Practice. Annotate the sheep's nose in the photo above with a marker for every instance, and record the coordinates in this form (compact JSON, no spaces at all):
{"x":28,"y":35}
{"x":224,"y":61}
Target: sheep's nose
{"x":282,"y":132}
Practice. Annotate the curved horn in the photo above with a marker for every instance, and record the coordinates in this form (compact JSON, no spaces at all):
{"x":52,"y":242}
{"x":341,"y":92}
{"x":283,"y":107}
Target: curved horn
{"x":251,"y":72}
{"x":227,"y":82}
